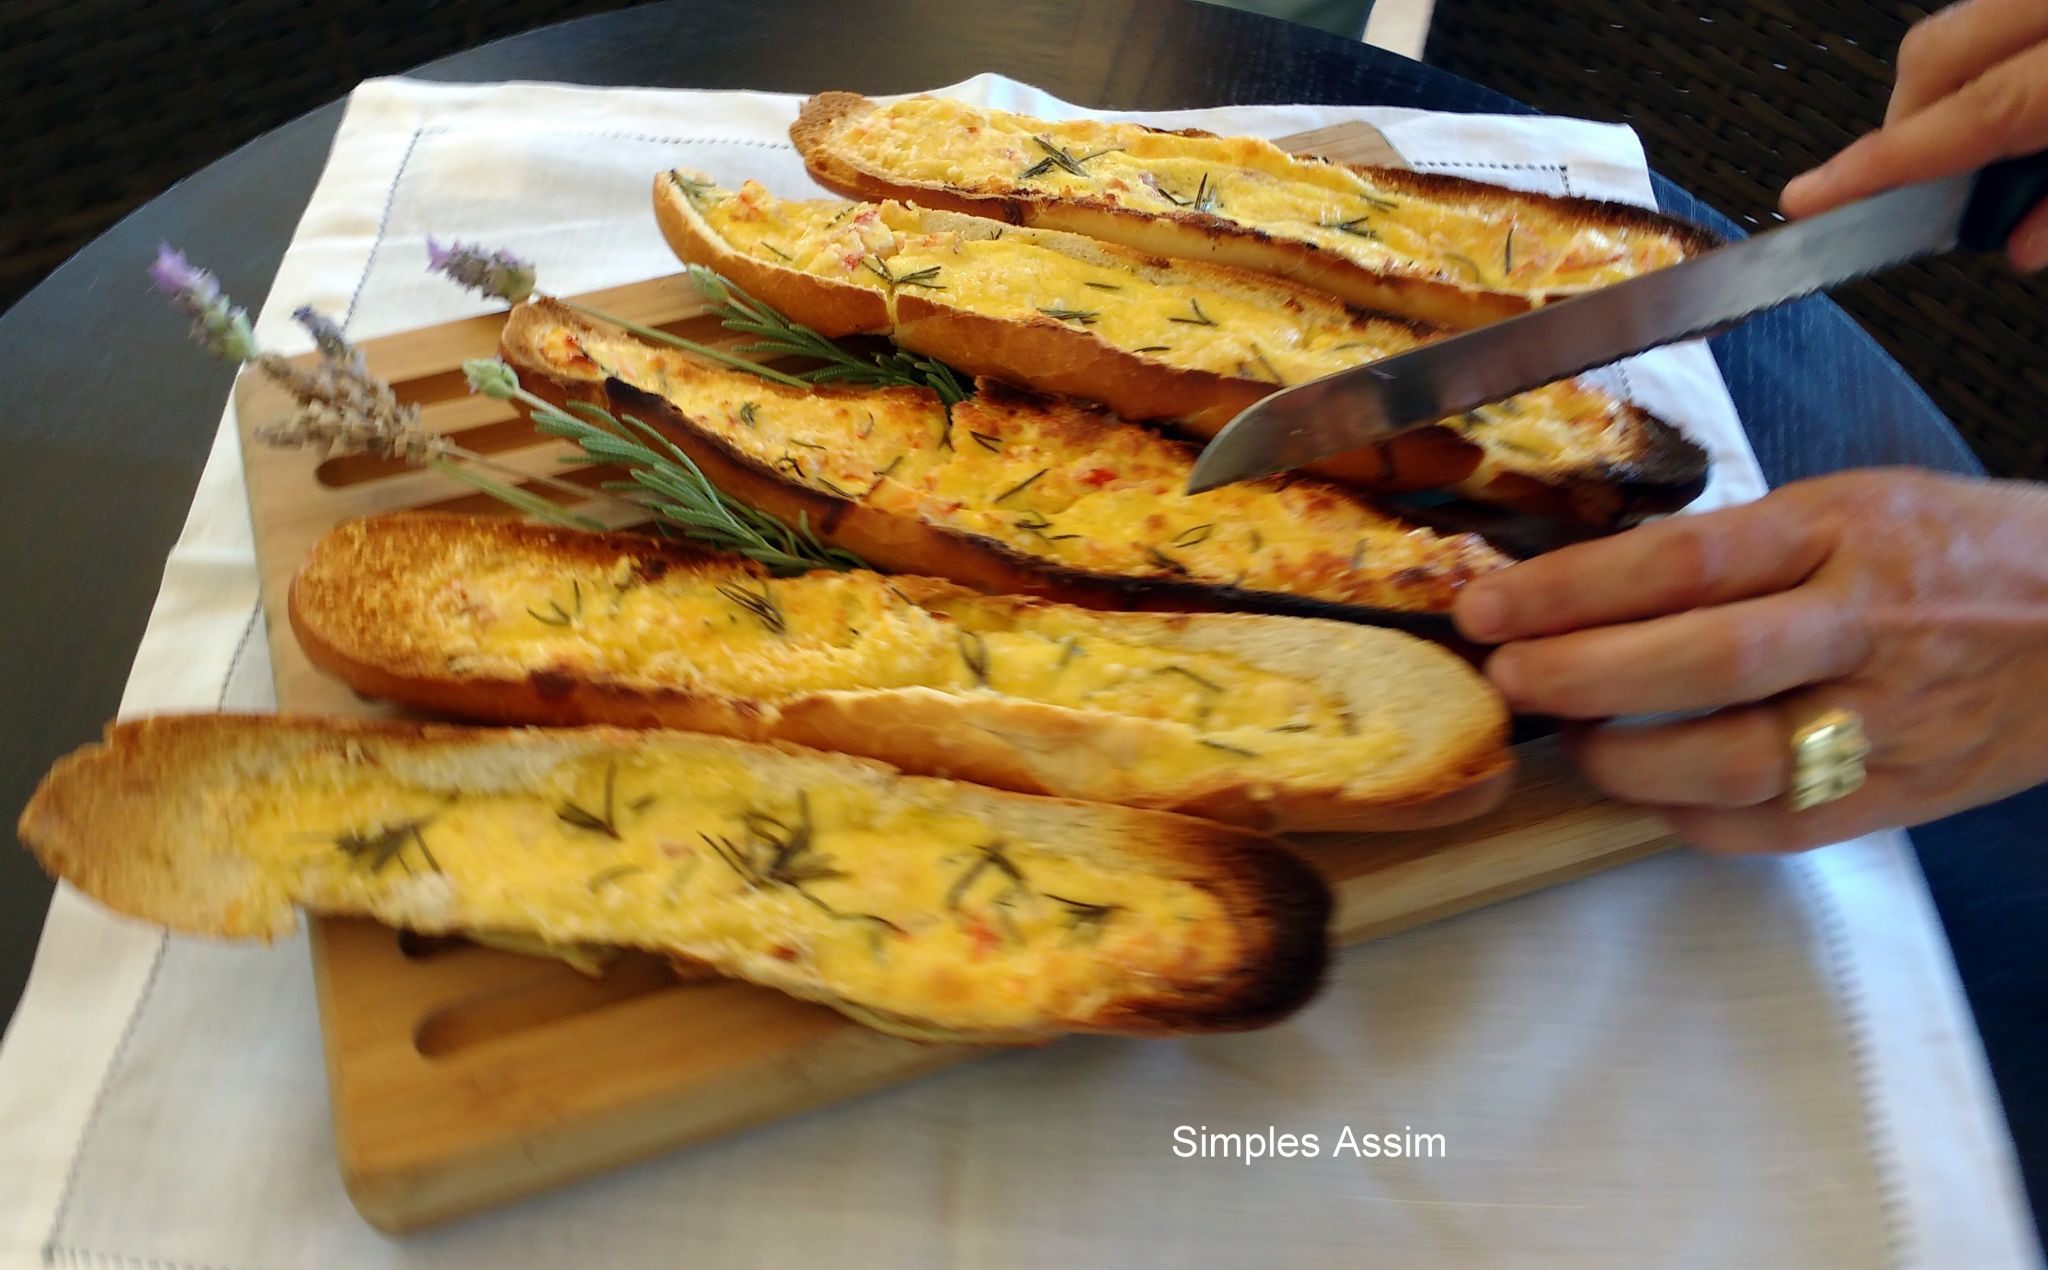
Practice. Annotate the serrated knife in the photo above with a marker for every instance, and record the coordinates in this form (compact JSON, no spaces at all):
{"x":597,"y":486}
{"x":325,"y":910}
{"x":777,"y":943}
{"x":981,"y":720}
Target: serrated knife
{"x":1370,"y":404}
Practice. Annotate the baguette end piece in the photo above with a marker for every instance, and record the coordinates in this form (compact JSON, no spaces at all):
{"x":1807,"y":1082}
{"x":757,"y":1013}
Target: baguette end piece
{"x":114,"y":791}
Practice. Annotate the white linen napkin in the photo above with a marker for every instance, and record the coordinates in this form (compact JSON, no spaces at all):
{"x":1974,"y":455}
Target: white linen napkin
{"x":1687,"y":1061}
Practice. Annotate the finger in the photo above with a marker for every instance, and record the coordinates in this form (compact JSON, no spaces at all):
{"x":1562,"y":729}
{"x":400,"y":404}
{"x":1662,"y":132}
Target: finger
{"x":1953,"y":46}
{"x":1730,"y":654}
{"x":2029,"y":246}
{"x":1775,"y":827}
{"x":1732,"y":758}
{"x":2000,"y":114}
{"x":1671,"y":566}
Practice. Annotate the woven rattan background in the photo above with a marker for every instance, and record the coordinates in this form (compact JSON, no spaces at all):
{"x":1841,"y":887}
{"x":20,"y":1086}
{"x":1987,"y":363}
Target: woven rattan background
{"x":1732,"y":100}
{"x":108,"y":102}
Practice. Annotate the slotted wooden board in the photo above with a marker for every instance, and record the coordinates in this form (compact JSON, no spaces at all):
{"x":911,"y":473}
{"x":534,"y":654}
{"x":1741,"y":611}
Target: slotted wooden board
{"x":463,"y":1077}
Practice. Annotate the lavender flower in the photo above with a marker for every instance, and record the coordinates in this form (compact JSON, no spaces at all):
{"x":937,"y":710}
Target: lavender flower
{"x":342,"y":407}
{"x":491,"y":377}
{"x":218,"y":325}
{"x":327,"y":336}
{"x":496,"y":275}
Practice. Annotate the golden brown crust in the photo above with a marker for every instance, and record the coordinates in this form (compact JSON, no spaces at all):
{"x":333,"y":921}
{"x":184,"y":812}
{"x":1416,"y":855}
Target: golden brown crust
{"x":830,"y":310}
{"x":1195,"y":235}
{"x":130,"y":822}
{"x":358,"y":607}
{"x":1636,"y":466}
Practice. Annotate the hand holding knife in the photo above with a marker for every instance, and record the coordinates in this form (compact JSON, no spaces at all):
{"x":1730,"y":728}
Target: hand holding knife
{"x":1371,"y":404}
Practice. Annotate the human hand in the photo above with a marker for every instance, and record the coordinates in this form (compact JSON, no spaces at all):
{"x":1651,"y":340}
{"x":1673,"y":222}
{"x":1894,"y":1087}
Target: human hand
{"x":1972,"y":89}
{"x":1916,"y":600}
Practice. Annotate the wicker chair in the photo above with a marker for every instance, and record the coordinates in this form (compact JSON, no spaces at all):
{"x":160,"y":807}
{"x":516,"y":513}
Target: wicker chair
{"x":109,"y":102}
{"x":1732,"y":99}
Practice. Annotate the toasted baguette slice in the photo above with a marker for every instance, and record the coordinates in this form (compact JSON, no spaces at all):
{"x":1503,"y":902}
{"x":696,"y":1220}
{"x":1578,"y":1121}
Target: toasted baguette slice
{"x":1440,"y":248}
{"x":1151,"y":338}
{"x":1009,"y":492}
{"x":1275,"y":722}
{"x":921,"y":906}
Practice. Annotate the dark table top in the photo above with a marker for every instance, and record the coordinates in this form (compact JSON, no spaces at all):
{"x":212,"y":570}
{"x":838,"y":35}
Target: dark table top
{"x":107,"y":416}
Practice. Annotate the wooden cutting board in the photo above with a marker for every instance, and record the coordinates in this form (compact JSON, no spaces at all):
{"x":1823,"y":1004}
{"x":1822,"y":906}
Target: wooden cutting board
{"x":463,"y":1077}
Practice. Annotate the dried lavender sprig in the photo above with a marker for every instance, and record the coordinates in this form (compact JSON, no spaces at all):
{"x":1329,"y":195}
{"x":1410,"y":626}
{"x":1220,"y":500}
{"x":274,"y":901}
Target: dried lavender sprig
{"x":495,"y":275}
{"x":340,"y":406}
{"x":218,"y":326}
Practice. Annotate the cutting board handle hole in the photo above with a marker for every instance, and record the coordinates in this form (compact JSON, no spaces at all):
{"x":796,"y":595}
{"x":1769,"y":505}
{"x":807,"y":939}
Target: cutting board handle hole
{"x":553,"y":993}
{"x":499,"y":436}
{"x":413,"y":946}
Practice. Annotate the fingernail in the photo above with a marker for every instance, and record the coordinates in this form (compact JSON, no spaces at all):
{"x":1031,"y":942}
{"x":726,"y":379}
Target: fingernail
{"x":1504,"y":669}
{"x":2030,"y":246}
{"x":1803,"y":185}
{"x":1482,"y":614}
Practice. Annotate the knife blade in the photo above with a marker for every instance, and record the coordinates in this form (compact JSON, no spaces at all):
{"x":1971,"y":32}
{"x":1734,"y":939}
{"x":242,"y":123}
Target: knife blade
{"x":1370,"y":404}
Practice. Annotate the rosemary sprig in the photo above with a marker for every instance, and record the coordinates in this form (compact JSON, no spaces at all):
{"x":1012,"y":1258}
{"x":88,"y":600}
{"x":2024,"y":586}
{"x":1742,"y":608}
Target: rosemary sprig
{"x":1020,"y":486}
{"x":777,"y":336}
{"x":604,"y":877}
{"x":719,"y":355}
{"x":920,"y":278}
{"x":1238,"y":750}
{"x":375,"y":850}
{"x":665,"y":481}
{"x":1200,"y":681}
{"x":1083,"y":317}
{"x":974,"y":652}
{"x":557,"y":615}
{"x":1164,"y":561}
{"x":987,"y":857}
{"x":1356,"y":227}
{"x":1083,"y":917}
{"x":1478,"y":274}
{"x":759,"y":603}
{"x":571,"y":813}
{"x":1265,"y":364}
{"x":1057,"y":157}
{"x":1199,"y":318}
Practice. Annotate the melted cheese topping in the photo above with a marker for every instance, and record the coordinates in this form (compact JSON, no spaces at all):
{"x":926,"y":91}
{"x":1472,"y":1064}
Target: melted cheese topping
{"x":1188,"y":317}
{"x":772,"y":640}
{"x":1055,"y":483}
{"x":901,"y":897}
{"x":1490,"y":240}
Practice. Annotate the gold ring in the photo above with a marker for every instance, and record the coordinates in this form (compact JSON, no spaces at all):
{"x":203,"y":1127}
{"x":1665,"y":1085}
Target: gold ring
{"x":1827,"y":759}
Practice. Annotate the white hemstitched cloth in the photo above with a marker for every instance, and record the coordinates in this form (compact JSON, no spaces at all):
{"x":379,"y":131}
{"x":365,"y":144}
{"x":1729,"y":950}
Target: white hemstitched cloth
{"x":1688,"y":1061}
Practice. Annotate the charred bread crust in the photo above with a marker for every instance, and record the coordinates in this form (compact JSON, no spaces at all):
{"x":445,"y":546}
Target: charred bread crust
{"x":125,"y":821}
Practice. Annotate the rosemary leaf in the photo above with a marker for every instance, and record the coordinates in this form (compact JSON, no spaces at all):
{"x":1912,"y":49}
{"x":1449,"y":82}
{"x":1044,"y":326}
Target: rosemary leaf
{"x":513,"y":496}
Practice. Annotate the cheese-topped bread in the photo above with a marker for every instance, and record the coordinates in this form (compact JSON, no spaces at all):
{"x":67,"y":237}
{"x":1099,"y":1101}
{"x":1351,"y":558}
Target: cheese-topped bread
{"x":1278,"y":722}
{"x":1005,"y":491}
{"x":1179,"y":340}
{"x":1440,"y":248}
{"x":926,"y":907}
